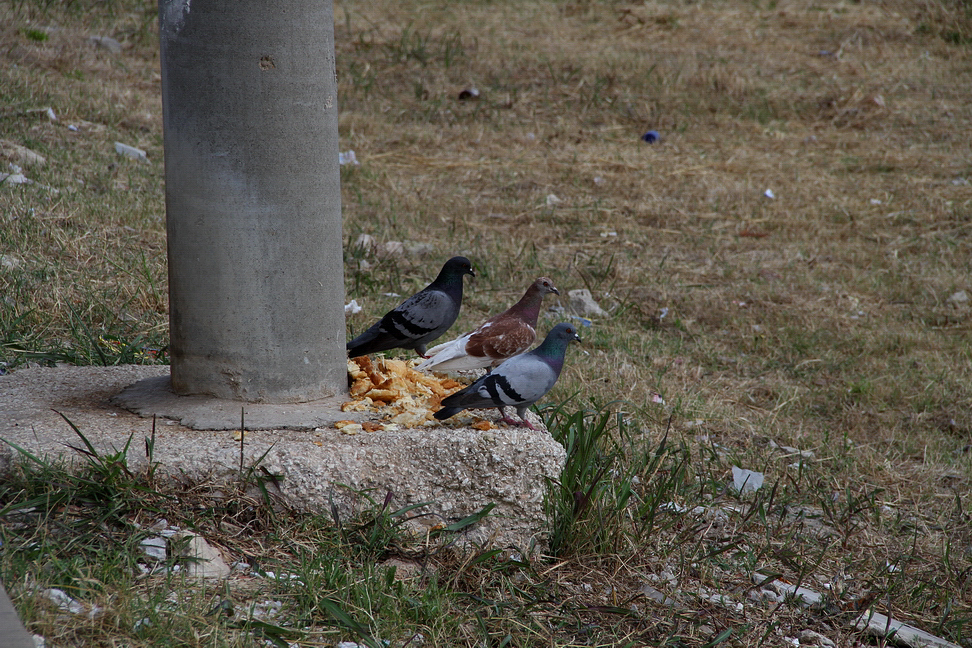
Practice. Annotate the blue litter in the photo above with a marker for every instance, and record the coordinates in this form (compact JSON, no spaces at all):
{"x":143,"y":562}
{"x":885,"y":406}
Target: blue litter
{"x":651,"y":137}
{"x":583,"y":320}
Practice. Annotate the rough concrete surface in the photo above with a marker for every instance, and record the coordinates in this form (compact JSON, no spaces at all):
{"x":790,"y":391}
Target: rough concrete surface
{"x":12,"y":632}
{"x":155,"y":396}
{"x":458,"y":470}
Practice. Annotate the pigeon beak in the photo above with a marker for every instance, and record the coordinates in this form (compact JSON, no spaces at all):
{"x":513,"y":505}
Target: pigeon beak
{"x":554,"y":290}
{"x":578,"y":338}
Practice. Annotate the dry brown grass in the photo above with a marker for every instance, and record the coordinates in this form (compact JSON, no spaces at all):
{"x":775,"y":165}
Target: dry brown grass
{"x":818,"y":319}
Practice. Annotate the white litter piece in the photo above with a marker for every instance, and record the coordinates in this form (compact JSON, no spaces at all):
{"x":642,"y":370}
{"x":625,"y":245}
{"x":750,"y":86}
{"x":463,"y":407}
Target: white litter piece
{"x":769,"y":193}
{"x":805,"y":597}
{"x":878,"y":625}
{"x":14,"y":179}
{"x":130,"y":151}
{"x":106,"y":42}
{"x":154,"y":548}
{"x":348,"y":157}
{"x":352,"y":308}
{"x":63,"y":600}
{"x":960,"y":297}
{"x":746,"y":481}
{"x":553,"y":199}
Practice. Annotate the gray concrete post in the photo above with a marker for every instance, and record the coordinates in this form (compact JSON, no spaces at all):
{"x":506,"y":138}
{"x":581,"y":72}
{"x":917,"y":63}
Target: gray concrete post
{"x":12,"y":632}
{"x":253,"y":208}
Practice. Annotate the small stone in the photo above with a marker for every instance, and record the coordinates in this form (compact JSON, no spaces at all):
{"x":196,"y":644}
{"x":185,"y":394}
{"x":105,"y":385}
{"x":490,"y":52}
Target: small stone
{"x":131,"y":151}
{"x":154,"y":548}
{"x":106,"y":42}
{"x":20,"y":154}
{"x":418,"y":248}
{"x":657,"y":595}
{"x":10,"y":261}
{"x":769,"y":194}
{"x":404,"y":569}
{"x":765,"y":595}
{"x":14,"y":179}
{"x":809,"y":637}
{"x":583,"y":304}
{"x":960,"y":297}
{"x":206,"y":561}
{"x":553,"y":199}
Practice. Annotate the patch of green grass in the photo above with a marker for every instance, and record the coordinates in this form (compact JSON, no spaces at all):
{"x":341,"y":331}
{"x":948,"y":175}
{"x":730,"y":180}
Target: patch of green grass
{"x":38,"y":35}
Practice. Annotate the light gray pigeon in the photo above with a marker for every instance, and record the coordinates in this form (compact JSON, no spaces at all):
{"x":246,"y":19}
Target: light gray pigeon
{"x":500,"y":337}
{"x":519,"y":382}
{"x":421,"y":318}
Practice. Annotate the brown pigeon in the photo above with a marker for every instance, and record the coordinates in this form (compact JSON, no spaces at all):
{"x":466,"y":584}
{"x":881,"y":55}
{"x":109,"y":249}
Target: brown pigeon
{"x":498,"y":338}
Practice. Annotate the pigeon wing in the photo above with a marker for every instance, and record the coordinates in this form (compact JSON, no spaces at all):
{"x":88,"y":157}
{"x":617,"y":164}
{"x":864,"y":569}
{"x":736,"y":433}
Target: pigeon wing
{"x":521,"y":380}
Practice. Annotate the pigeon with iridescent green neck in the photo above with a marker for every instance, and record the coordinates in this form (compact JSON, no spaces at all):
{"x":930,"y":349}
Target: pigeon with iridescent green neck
{"x":519,"y":382}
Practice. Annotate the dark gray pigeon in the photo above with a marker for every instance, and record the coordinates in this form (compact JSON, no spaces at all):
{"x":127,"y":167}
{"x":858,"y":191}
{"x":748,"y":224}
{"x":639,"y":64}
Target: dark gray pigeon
{"x":519,"y":382}
{"x":421,"y":318}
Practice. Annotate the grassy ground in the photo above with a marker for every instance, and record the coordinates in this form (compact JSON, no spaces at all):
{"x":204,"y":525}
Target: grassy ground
{"x":822,"y":320}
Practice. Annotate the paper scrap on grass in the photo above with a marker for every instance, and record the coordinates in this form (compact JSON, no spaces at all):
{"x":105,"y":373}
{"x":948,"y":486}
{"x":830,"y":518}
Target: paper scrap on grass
{"x":746,"y":481}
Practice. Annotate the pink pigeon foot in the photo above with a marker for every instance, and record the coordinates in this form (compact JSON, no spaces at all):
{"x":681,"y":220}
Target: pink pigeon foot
{"x":511,"y":421}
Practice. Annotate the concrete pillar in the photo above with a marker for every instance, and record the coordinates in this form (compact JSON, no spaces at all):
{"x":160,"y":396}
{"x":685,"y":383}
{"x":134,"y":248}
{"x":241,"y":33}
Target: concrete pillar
{"x":12,"y":632}
{"x":253,"y":208}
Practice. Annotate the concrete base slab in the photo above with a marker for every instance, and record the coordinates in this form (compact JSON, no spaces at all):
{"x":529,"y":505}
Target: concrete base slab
{"x":459,"y":470}
{"x":155,"y":396}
